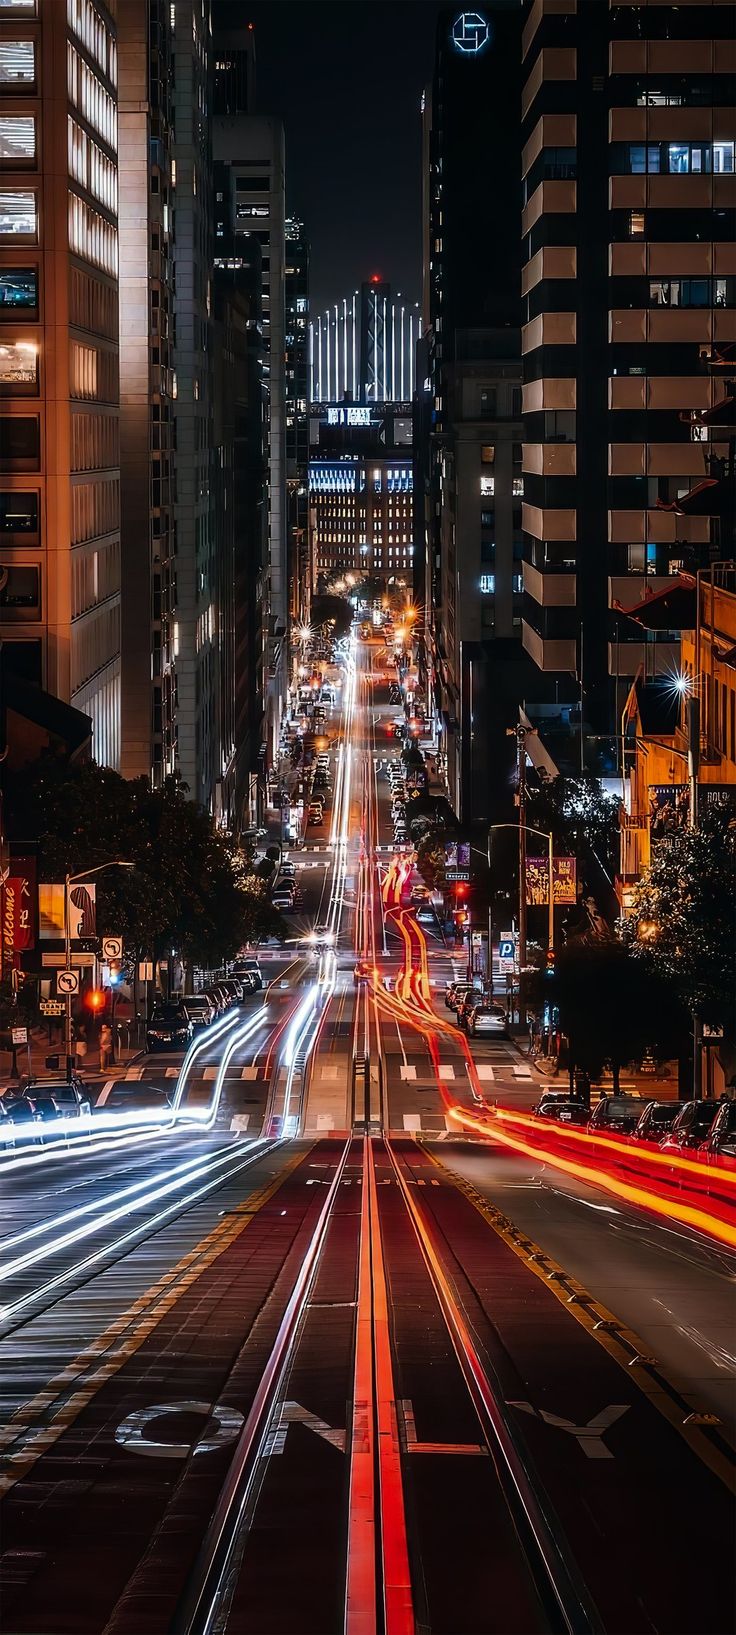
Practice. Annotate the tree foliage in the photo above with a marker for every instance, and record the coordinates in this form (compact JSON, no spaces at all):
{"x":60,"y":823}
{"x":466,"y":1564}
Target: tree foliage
{"x":612,"y":1008}
{"x":582,"y":817}
{"x":431,"y":861}
{"x":190,"y":889}
{"x":683,"y":921}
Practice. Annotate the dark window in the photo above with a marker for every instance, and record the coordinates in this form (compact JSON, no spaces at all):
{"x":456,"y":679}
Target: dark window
{"x":23,"y":659}
{"x":18,"y":512}
{"x":488,"y":403}
{"x":19,"y":589}
{"x":20,"y":442}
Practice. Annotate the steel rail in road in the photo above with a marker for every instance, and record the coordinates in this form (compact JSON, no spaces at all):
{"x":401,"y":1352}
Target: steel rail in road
{"x":201,"y":1602}
{"x":560,"y":1588}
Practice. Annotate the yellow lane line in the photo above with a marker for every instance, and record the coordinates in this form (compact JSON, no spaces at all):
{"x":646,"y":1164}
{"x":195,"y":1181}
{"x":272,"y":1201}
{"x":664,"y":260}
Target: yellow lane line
{"x":622,"y":1343}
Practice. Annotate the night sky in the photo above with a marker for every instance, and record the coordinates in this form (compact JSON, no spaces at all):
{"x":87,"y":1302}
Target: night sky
{"x":346,"y":77}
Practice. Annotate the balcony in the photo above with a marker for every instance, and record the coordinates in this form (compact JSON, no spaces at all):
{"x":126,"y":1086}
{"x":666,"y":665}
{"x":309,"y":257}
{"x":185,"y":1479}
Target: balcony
{"x":626,"y":587}
{"x":549,"y":655}
{"x":656,"y":658}
{"x":549,"y":587}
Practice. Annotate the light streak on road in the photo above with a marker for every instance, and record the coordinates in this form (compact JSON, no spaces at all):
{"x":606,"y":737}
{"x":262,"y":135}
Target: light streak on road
{"x":214,"y":1169}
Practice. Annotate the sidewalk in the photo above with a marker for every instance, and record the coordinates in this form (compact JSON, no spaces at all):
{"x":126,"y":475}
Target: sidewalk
{"x":32,"y":1059}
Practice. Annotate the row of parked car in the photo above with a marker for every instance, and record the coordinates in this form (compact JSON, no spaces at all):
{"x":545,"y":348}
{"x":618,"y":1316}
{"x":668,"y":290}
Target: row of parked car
{"x":476,"y":1010}
{"x":173,"y":1023}
{"x":398,"y":803}
{"x":673,"y":1126}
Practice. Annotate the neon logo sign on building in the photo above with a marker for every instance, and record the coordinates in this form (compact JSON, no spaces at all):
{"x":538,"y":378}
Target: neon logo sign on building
{"x":471,"y":33}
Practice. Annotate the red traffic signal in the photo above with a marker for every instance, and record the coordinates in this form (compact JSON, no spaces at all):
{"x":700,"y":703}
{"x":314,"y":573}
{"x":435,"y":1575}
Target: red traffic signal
{"x":94,"y":999}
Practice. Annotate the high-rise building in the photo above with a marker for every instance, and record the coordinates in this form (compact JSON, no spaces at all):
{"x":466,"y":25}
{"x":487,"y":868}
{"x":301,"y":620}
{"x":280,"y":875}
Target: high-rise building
{"x":296,"y":408}
{"x":361,"y":491}
{"x":364,"y":348}
{"x":629,"y":284}
{"x":147,"y":387}
{"x":468,"y":403}
{"x":59,"y":417}
{"x":250,"y":206}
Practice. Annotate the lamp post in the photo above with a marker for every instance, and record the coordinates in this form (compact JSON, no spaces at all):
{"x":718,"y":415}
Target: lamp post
{"x":543,"y":834}
{"x":69,"y":880}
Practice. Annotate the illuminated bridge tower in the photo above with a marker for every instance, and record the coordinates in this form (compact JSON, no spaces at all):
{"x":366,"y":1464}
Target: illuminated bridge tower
{"x":363,"y":348}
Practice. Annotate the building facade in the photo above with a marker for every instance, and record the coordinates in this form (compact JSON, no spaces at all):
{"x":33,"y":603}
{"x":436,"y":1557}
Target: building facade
{"x":364,"y":348}
{"x":629,"y":325}
{"x":361,"y":483}
{"x":147,"y":387}
{"x":296,"y":412}
{"x":250,"y":205}
{"x":468,"y":404}
{"x":59,"y":357}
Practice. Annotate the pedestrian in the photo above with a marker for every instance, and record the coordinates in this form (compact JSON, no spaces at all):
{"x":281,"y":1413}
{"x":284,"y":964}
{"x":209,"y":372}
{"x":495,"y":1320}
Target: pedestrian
{"x":105,"y":1046}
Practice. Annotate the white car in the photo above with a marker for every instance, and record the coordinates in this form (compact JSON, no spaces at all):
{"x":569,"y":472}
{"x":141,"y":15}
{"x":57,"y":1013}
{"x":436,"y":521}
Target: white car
{"x":283,"y":899}
{"x":288,"y":871}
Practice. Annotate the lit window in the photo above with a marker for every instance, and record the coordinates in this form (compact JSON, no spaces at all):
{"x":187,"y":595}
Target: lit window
{"x":487,"y":454}
{"x":18,"y":366}
{"x":487,"y":486}
{"x":636,"y":224}
{"x":17,"y":214}
{"x":517,"y":487}
{"x":17,"y":139}
{"x":644,"y":158}
{"x":723,"y":157}
{"x":18,"y":290}
{"x":17,"y":65}
{"x":488,"y":584}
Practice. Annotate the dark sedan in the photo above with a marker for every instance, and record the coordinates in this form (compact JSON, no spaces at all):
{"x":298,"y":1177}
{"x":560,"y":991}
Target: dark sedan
{"x":169,"y":1028}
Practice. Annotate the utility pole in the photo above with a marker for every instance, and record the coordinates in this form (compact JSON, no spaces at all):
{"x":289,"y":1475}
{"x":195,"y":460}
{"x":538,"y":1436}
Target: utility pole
{"x":521,"y":763}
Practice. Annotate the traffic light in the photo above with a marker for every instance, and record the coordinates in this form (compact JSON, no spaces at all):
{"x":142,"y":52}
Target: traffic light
{"x":94,"y":999}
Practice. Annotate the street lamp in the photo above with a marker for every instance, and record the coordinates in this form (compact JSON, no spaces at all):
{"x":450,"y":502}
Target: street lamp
{"x":69,"y":880}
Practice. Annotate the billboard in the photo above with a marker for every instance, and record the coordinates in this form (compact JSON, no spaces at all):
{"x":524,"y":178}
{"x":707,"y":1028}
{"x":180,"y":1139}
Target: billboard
{"x":82,"y":920}
{"x":564,"y":881}
{"x":457,"y":859}
{"x":19,"y":909}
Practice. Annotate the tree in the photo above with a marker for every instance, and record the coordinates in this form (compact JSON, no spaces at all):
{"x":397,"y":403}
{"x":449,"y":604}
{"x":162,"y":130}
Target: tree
{"x":431,"y":861}
{"x":613,"y":1008}
{"x":189,"y":890}
{"x":683,"y":920}
{"x":583,"y":818}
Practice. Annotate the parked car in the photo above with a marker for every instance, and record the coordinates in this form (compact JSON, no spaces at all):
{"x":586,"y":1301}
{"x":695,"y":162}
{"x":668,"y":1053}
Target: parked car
{"x":615,"y":1115}
{"x":458,"y":992}
{"x":692,"y":1126}
{"x":234,"y":987}
{"x":486,"y":1019}
{"x":58,"y":1097}
{"x":321,"y":780}
{"x":419,"y":895}
{"x":657,"y":1118}
{"x":283,"y":899}
{"x":23,"y":1116}
{"x":199,"y":1009}
{"x":217,"y":1000}
{"x":168,"y":1028}
{"x":470,"y":1000}
{"x":249,"y":982}
{"x":566,"y":1111}
{"x":315,"y":814}
{"x":136,"y":1097}
{"x":252,"y":965}
{"x":225,"y":998}
{"x":7,"y":1127}
{"x":722,"y":1138}
{"x":287,"y":870}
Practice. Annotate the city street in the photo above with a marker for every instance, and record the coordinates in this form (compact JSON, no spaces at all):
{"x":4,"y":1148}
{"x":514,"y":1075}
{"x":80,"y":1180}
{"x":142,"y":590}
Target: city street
{"x":305,"y":1321}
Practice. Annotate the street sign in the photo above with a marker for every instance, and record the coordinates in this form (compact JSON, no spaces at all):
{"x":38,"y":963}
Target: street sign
{"x":19,"y":1036}
{"x":506,"y":954}
{"x":145,"y":970}
{"x":51,"y":1007}
{"x":112,"y":948}
{"x":712,"y":1030}
{"x":67,"y":982}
